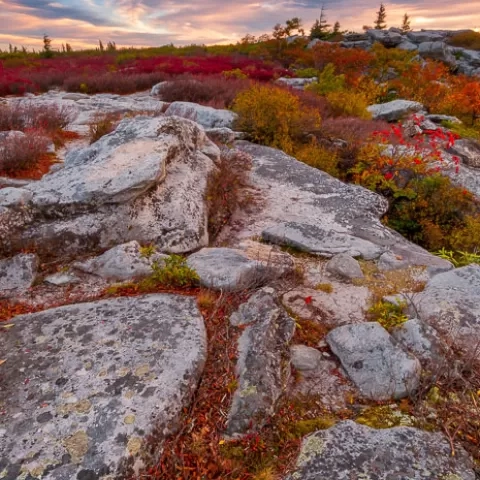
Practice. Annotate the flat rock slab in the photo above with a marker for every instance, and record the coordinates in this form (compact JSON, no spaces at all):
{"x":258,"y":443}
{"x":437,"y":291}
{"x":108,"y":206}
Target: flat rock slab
{"x":451,"y":304}
{"x":83,"y":384}
{"x":207,"y":117}
{"x":308,"y":209}
{"x":394,"y":110}
{"x":352,"y":451}
{"x":262,"y":367}
{"x":228,"y":269}
{"x":17,"y":274}
{"x":377,"y":366}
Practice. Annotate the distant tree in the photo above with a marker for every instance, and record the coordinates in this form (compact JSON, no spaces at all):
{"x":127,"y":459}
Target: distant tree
{"x":47,"y":46}
{"x":380,"y":23}
{"x":406,"y":24}
{"x":248,"y":39}
{"x":336,"y":28}
{"x":68,"y":48}
{"x":24,"y":50}
{"x":111,"y":46}
{"x":320,"y":29}
{"x":292,"y":25}
{"x":10,"y":48}
{"x":100,"y":46}
{"x":367,"y":27}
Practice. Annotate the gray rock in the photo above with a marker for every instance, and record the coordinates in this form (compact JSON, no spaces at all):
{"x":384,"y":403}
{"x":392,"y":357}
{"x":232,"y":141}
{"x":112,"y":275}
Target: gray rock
{"x":157,"y":89}
{"x":221,"y":135}
{"x":387,"y":38}
{"x":437,"y":51}
{"x":262,"y":366}
{"x":394,"y":110}
{"x":388,"y":261}
{"x":376,"y":365}
{"x":422,"y":340}
{"x":407,"y":45}
{"x":350,"y":450}
{"x":356,"y":37}
{"x":13,"y":197}
{"x":123,"y":262}
{"x":451,"y":304}
{"x":468,"y":150}
{"x":13,"y":182}
{"x":306,"y":208}
{"x":305,"y":358}
{"x":259,"y":306}
{"x":297,"y":83}
{"x":146,"y":181}
{"x":426,"y":36}
{"x":83,"y":384}
{"x":364,"y":44}
{"x":75,"y":96}
{"x":17,"y":274}
{"x":437,"y":118}
{"x":229,"y":269}
{"x":344,"y":266}
{"x":61,"y":279}
{"x":208,"y":117}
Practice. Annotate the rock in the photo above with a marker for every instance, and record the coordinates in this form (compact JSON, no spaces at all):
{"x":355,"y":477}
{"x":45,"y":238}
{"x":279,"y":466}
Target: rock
{"x":95,"y":379}
{"x":305,"y":358}
{"x":221,"y":135}
{"x":422,"y":341}
{"x":344,"y":266}
{"x":350,"y":450}
{"x":13,"y":182}
{"x":146,"y":181}
{"x":394,"y":110}
{"x":61,"y":279}
{"x":297,"y":83}
{"x":356,"y":37}
{"x":442,"y":118}
{"x":364,"y":45}
{"x":75,"y":96}
{"x":17,"y":274}
{"x":229,"y":269}
{"x":344,"y":304}
{"x":437,"y":51}
{"x":123,"y":262}
{"x":406,"y":45}
{"x":376,"y":365}
{"x":450,"y":303}
{"x":425,"y":36}
{"x":157,"y":89}
{"x":262,"y":366}
{"x":208,"y":117}
{"x":471,"y":56}
{"x":306,"y":208}
{"x":388,"y":261}
{"x":387,"y":38}
{"x":13,"y":197}
{"x":467,"y":149}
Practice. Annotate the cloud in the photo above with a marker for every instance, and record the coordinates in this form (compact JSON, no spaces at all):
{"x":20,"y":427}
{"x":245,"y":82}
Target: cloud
{"x":154,"y":22}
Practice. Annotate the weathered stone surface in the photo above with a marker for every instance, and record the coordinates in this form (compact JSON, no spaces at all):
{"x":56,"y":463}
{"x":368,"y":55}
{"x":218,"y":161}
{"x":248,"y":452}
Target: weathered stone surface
{"x":83,"y":384}
{"x":451,"y":304}
{"x":157,"y":88}
{"x":350,"y":450}
{"x":60,"y":279}
{"x":305,"y":358}
{"x":13,"y":197}
{"x":123,"y":262}
{"x":407,"y":45}
{"x":297,"y":83}
{"x":344,"y":266}
{"x":345,"y":304}
{"x":437,"y":118}
{"x":208,"y":117}
{"x":13,"y":182}
{"x":437,"y":51}
{"x":362,"y":44}
{"x":262,"y":369}
{"x":468,"y":150}
{"x":426,"y":36}
{"x":222,"y":135}
{"x":17,"y":274}
{"x":376,"y":365}
{"x":229,"y":269}
{"x":146,"y":181}
{"x":387,"y":38}
{"x":394,"y":110}
{"x":422,"y":340}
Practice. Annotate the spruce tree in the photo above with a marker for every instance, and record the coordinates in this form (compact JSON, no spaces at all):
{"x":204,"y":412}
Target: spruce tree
{"x":406,"y":24}
{"x":320,"y":29}
{"x":336,"y":28}
{"x":380,"y":23}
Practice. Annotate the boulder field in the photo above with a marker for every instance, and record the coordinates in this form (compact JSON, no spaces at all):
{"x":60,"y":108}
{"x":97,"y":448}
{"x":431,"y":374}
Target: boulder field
{"x":87,"y":378}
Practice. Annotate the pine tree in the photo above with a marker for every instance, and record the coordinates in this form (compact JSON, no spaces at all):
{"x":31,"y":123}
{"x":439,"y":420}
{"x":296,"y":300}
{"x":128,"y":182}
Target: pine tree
{"x":406,"y":24}
{"x":381,"y":17}
{"x":47,"y":46}
{"x":68,"y":48}
{"x":336,"y":27}
{"x":320,"y":29}
{"x":100,"y":45}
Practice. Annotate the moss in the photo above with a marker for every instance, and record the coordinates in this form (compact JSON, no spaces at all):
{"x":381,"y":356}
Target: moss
{"x":324,"y":287}
{"x":305,"y":427}
{"x":385,"y":416}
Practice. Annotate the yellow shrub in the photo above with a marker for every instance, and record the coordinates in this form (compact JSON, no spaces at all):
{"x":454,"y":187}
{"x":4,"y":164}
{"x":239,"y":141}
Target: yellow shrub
{"x":273,"y":116}
{"x":318,"y":157}
{"x":350,"y":104}
{"x":468,"y":237}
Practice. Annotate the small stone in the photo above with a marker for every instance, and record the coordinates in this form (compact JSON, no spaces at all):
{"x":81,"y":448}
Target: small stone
{"x":344,"y":266}
{"x":305,"y":358}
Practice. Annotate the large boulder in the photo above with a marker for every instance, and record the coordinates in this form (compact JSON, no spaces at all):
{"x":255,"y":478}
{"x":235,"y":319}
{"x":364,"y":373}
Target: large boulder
{"x":468,"y":150}
{"x":387,"y":38}
{"x":451,"y":304}
{"x":82,"y":385}
{"x":394,"y":110}
{"x":262,"y":367}
{"x":376,"y":365}
{"x":426,"y":36}
{"x":305,"y":208}
{"x":146,"y":181}
{"x":437,"y":51}
{"x":349,"y":450}
{"x":17,"y":274}
{"x":208,"y":117}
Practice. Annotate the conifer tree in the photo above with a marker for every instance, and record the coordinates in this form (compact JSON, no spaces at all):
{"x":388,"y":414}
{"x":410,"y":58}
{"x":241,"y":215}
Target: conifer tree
{"x":380,"y":23}
{"x":320,"y":29}
{"x":100,"y":45}
{"x":336,"y":27}
{"x":406,"y":24}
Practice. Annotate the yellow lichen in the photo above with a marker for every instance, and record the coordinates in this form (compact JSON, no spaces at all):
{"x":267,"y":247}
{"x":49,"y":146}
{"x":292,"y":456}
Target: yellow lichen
{"x":77,"y":446}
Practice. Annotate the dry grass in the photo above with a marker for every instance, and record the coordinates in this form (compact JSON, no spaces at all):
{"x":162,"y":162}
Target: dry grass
{"x":102,"y":125}
{"x":470,"y":40}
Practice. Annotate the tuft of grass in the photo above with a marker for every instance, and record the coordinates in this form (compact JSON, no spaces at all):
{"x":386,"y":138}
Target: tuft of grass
{"x":458,"y":258}
{"x":173,"y":273}
{"x":206,"y":300}
{"x":324,"y":287}
{"x":388,"y":315}
{"x":102,"y":125}
{"x":147,"y":251}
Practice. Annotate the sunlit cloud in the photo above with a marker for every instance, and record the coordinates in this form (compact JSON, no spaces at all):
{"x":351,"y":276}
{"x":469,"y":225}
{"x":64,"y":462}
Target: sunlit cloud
{"x":156,"y":22}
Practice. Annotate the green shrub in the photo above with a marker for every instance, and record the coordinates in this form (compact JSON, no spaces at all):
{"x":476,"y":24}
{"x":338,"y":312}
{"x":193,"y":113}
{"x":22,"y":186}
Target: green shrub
{"x":349,"y":104}
{"x":174,"y":273}
{"x":327,"y":82}
{"x":307,"y":73}
{"x":388,"y":315}
{"x":457,"y":258}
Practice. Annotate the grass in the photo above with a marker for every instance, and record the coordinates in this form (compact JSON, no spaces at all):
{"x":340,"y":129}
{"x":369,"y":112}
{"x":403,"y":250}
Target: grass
{"x":102,"y":125}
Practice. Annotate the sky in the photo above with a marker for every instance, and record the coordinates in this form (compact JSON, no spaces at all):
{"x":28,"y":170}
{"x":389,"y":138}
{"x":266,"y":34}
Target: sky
{"x":137,"y":23}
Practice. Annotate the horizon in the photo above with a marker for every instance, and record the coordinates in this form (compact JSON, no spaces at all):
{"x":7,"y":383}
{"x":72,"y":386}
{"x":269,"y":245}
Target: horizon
{"x":142,"y":23}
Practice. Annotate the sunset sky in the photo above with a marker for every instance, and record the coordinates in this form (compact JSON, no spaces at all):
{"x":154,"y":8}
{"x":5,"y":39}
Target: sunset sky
{"x":156,"y":22}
